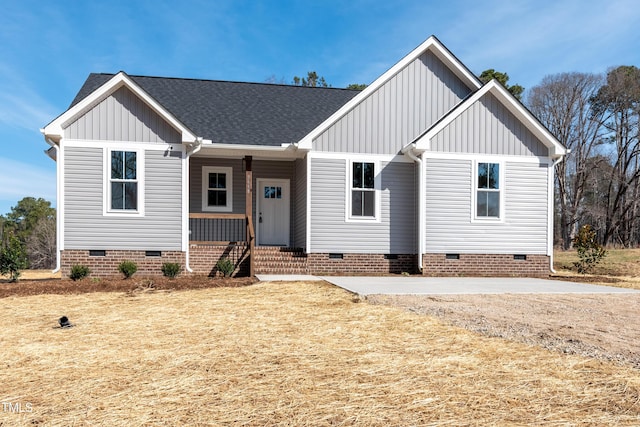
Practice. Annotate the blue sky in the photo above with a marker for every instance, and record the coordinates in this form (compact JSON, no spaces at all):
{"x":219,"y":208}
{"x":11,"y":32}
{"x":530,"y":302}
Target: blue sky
{"x":48,"y":47}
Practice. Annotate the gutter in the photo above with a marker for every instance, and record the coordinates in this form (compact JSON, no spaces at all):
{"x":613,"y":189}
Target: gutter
{"x":191,"y":150}
{"x":409,"y":152}
{"x":54,"y":157}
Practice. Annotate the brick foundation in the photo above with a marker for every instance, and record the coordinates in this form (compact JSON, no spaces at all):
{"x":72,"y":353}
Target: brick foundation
{"x":277,"y":260}
{"x":497,"y":265}
{"x":203,"y":258}
{"x":362,"y":264}
{"x":107,"y":265}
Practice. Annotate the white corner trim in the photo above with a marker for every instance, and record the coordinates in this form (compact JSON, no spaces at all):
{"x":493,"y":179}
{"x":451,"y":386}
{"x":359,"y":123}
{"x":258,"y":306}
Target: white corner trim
{"x":432,"y":44}
{"x":60,"y":195}
{"x":185,"y":201}
{"x":308,"y":196}
{"x":228,"y":171}
{"x":57,"y":126}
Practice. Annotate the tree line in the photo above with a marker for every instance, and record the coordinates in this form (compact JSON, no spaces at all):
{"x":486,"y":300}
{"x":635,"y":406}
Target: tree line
{"x":28,"y":234}
{"x":596,"y":116}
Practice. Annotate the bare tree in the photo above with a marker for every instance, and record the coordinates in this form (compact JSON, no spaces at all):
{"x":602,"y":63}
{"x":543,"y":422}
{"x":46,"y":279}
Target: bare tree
{"x":562,"y":103}
{"x":41,"y":244}
{"x":619,"y":99}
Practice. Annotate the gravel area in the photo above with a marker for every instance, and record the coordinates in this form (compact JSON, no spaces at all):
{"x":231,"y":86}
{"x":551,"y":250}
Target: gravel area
{"x":602,"y":326}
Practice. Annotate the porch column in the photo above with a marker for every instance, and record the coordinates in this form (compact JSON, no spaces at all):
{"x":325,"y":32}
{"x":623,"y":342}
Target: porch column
{"x":248,"y":210}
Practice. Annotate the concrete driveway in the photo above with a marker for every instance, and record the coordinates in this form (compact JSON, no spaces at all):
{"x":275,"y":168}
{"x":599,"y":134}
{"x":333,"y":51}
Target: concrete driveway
{"x":465,"y":285}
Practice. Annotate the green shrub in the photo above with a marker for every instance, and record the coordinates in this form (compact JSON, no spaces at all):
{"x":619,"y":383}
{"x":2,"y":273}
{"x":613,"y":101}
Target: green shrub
{"x":171,"y":269}
{"x":225,"y":266}
{"x":79,"y":271}
{"x":13,"y":258}
{"x":128,"y":268}
{"x":590,"y":252}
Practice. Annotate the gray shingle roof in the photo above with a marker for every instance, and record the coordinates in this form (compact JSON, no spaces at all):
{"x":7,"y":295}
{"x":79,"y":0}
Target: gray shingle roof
{"x":236,"y":112}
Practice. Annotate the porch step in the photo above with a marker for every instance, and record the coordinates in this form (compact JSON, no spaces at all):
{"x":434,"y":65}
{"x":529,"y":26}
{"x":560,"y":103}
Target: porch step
{"x":279,"y":260}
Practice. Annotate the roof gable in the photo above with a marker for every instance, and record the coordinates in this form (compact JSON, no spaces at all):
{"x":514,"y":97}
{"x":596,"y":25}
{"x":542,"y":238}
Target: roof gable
{"x":82,"y":106}
{"x":431,"y":44}
{"x":515,"y":107}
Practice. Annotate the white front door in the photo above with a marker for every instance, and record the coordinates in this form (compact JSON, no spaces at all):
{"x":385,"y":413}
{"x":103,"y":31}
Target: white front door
{"x":272,"y":208}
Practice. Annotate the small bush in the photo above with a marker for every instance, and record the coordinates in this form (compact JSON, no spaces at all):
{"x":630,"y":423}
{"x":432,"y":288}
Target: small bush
{"x":590,"y":252}
{"x":225,"y":266}
{"x":79,"y":271}
{"x":128,"y":268}
{"x":171,"y":269}
{"x":13,"y":258}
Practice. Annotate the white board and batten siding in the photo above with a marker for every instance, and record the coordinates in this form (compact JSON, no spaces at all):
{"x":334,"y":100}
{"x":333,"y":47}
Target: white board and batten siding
{"x":124,"y":118}
{"x":398,"y":112}
{"x":395,"y":233}
{"x":449,"y":210}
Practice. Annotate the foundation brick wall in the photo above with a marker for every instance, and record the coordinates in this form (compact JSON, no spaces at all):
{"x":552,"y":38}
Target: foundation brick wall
{"x":107,"y":266}
{"x":497,"y":265}
{"x":362,"y":264}
{"x":203,"y":258}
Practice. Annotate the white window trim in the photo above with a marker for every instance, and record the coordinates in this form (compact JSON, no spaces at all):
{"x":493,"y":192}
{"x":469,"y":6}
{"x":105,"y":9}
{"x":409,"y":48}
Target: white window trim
{"x":376,"y":188}
{"x":474,"y":192}
{"x":106,"y":192}
{"x":206,"y":170}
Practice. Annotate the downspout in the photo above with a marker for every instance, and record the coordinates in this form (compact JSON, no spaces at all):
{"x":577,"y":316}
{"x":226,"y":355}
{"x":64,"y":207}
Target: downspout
{"x":196,"y":147}
{"x":58,"y":201}
{"x":408,"y":151}
{"x":551,"y":210}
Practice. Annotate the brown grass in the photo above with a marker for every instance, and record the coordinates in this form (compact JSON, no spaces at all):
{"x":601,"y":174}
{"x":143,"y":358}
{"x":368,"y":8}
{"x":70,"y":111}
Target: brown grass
{"x":284,"y":354}
{"x":621,"y":267}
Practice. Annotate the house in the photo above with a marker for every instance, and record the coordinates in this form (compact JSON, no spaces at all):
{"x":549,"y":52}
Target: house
{"x":426,"y":170}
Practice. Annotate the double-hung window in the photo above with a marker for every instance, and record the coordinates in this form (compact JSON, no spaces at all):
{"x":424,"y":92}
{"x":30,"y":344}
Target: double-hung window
{"x":488,"y":190}
{"x":217,"y":189}
{"x":363,"y":190}
{"x":123,"y":181}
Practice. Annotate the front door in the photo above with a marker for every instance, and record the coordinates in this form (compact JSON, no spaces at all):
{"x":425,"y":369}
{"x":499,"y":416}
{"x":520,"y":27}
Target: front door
{"x":272,"y":207}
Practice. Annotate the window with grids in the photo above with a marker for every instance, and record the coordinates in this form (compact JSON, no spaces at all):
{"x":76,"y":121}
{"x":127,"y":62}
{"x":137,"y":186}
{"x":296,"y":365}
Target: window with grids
{"x":217,"y":189}
{"x":124,"y":181}
{"x":488,"y":190}
{"x":363,"y":192}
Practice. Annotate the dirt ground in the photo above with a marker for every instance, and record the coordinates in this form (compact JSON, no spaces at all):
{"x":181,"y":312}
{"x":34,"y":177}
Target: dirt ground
{"x":603,"y":326}
{"x":39,"y":282}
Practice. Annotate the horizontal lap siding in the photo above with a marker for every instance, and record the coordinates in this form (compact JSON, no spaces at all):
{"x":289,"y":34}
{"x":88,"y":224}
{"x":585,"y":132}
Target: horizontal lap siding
{"x":85,"y":226}
{"x":398,"y":112}
{"x":395,"y":233}
{"x":488,"y":127}
{"x":449,"y":228}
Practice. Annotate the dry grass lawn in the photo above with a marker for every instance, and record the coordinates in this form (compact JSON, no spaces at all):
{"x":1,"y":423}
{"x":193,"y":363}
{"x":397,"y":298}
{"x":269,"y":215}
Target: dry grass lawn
{"x":302,"y":354}
{"x":621,"y":267}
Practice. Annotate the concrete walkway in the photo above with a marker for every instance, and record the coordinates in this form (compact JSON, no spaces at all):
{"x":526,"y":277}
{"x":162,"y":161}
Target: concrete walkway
{"x":416,"y":285}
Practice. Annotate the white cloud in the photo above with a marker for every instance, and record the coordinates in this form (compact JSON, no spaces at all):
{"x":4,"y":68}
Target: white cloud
{"x":19,"y":180}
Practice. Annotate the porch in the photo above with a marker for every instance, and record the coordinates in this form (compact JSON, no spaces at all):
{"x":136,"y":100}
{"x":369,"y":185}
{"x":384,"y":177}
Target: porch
{"x":255,"y":230}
